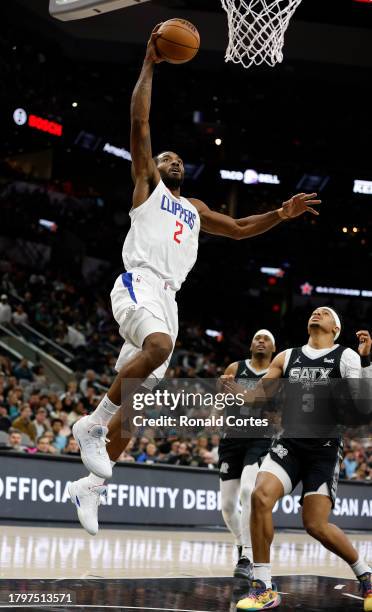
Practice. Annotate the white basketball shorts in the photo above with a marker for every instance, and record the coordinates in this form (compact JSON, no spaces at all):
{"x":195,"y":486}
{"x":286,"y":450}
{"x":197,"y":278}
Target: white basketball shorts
{"x":143,"y":304}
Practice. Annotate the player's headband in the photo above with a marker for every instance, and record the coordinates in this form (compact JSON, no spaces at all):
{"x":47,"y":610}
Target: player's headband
{"x":265,"y":332}
{"x":336,"y":318}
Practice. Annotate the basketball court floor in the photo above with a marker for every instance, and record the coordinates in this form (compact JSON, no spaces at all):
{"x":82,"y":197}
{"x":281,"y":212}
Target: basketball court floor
{"x":161,"y":570}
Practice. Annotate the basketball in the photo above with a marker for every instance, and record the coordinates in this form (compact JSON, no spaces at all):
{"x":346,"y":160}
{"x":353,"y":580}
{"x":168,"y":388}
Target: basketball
{"x":179,"y":41}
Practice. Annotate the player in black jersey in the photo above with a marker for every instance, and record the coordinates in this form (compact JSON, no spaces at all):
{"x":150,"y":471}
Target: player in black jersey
{"x":240,"y":458}
{"x":313,"y":461}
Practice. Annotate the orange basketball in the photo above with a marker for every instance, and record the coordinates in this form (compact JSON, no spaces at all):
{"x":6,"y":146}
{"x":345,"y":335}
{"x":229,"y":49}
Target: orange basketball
{"x":179,"y":41}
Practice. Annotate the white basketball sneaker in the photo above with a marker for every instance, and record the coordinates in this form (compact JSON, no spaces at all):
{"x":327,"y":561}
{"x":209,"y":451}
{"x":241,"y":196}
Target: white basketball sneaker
{"x":86,"y":498}
{"x":92,"y":441}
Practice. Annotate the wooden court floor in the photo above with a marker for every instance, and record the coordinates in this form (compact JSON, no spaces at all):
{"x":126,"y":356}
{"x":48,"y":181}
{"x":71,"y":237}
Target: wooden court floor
{"x":180,"y":571}
{"x":60,"y":552}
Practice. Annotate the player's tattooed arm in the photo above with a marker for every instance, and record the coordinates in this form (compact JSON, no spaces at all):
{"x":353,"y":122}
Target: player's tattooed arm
{"x":216,"y":223}
{"x":144,"y":171}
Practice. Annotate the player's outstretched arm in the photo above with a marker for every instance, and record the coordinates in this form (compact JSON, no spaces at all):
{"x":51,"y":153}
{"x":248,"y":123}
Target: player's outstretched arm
{"x":144,"y":171}
{"x":223,"y":225}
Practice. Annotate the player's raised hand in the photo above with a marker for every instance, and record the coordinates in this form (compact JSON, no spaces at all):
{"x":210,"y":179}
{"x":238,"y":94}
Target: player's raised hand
{"x":298,"y":205}
{"x":365,"y":342}
{"x":224,"y":380}
{"x":152,"y":54}
{"x":230,"y":385}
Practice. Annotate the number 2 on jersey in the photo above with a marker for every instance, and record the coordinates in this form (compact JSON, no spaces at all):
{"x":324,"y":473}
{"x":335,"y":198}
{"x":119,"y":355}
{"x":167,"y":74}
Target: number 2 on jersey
{"x":178,"y":232}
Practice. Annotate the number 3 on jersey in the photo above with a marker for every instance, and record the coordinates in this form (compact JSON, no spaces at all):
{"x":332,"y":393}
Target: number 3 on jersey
{"x":178,"y":232}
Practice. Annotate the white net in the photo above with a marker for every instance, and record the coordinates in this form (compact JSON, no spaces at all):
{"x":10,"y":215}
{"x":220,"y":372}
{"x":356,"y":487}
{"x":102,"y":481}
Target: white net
{"x":256,"y":30}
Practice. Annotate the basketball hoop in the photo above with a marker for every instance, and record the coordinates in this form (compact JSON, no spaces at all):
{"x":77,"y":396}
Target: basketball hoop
{"x":256,"y":30}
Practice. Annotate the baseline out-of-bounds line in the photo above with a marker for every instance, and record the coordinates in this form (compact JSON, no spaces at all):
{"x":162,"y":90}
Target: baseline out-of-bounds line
{"x":100,"y":606}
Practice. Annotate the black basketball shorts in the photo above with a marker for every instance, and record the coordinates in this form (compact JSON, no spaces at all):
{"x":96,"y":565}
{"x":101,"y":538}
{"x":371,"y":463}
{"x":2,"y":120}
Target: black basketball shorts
{"x":312,"y":462}
{"x":236,"y":453}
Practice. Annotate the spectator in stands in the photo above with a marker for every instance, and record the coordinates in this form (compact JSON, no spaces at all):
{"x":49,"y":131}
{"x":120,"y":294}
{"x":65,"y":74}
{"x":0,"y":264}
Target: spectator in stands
{"x":44,"y":446}
{"x":57,"y":406}
{"x":5,"y":421}
{"x":72,"y":447}
{"x":363,"y":472}
{"x":28,"y":302}
{"x":6,"y":284}
{"x":34,"y":401}
{"x":24,"y":424}
{"x":12,"y":383}
{"x":126,"y":457}
{"x":149,"y":455}
{"x":184,"y":454}
{"x":199,"y":449}
{"x":68,"y":404}
{"x":173,"y":451}
{"x":66,"y":429}
{"x":19,"y":315}
{"x":39,"y":375}
{"x":5,"y":310}
{"x":140,"y":446}
{"x":91,"y":399}
{"x":50,"y":435}
{"x":45,"y":403}
{"x":179,"y":455}
{"x":14,"y":404}
{"x":78,"y":410}
{"x":71,"y":392}
{"x":14,"y":442}
{"x":37,"y":279}
{"x":126,"y":454}
{"x":350,"y":464}
{"x":5,"y":365}
{"x":165,"y":446}
{"x":43,"y":318}
{"x":152,"y":453}
{"x":22,"y":371}
{"x":70,"y":336}
{"x":207,"y":460}
{"x":41,"y":422}
{"x":89,"y":380}
{"x":59,"y":441}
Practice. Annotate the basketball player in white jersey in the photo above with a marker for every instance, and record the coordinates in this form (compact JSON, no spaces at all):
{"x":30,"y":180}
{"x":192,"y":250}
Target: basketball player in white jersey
{"x":240,"y":458}
{"x":159,"y":252}
{"x":313,"y":461}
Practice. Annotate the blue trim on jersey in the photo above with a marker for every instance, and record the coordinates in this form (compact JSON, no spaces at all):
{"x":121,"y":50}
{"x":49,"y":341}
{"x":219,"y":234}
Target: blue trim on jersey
{"x":127,"y":278}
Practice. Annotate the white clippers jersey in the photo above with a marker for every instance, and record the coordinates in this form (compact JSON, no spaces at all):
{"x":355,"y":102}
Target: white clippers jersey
{"x":163,"y":237}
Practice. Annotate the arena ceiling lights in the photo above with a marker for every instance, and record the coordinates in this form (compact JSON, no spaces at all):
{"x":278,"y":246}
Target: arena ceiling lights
{"x":67,"y":10}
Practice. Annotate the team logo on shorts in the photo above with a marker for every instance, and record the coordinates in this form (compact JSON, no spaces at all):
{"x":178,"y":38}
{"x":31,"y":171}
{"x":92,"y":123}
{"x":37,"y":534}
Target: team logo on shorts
{"x":280,"y":451}
{"x":128,"y":311}
{"x":224,"y":468}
